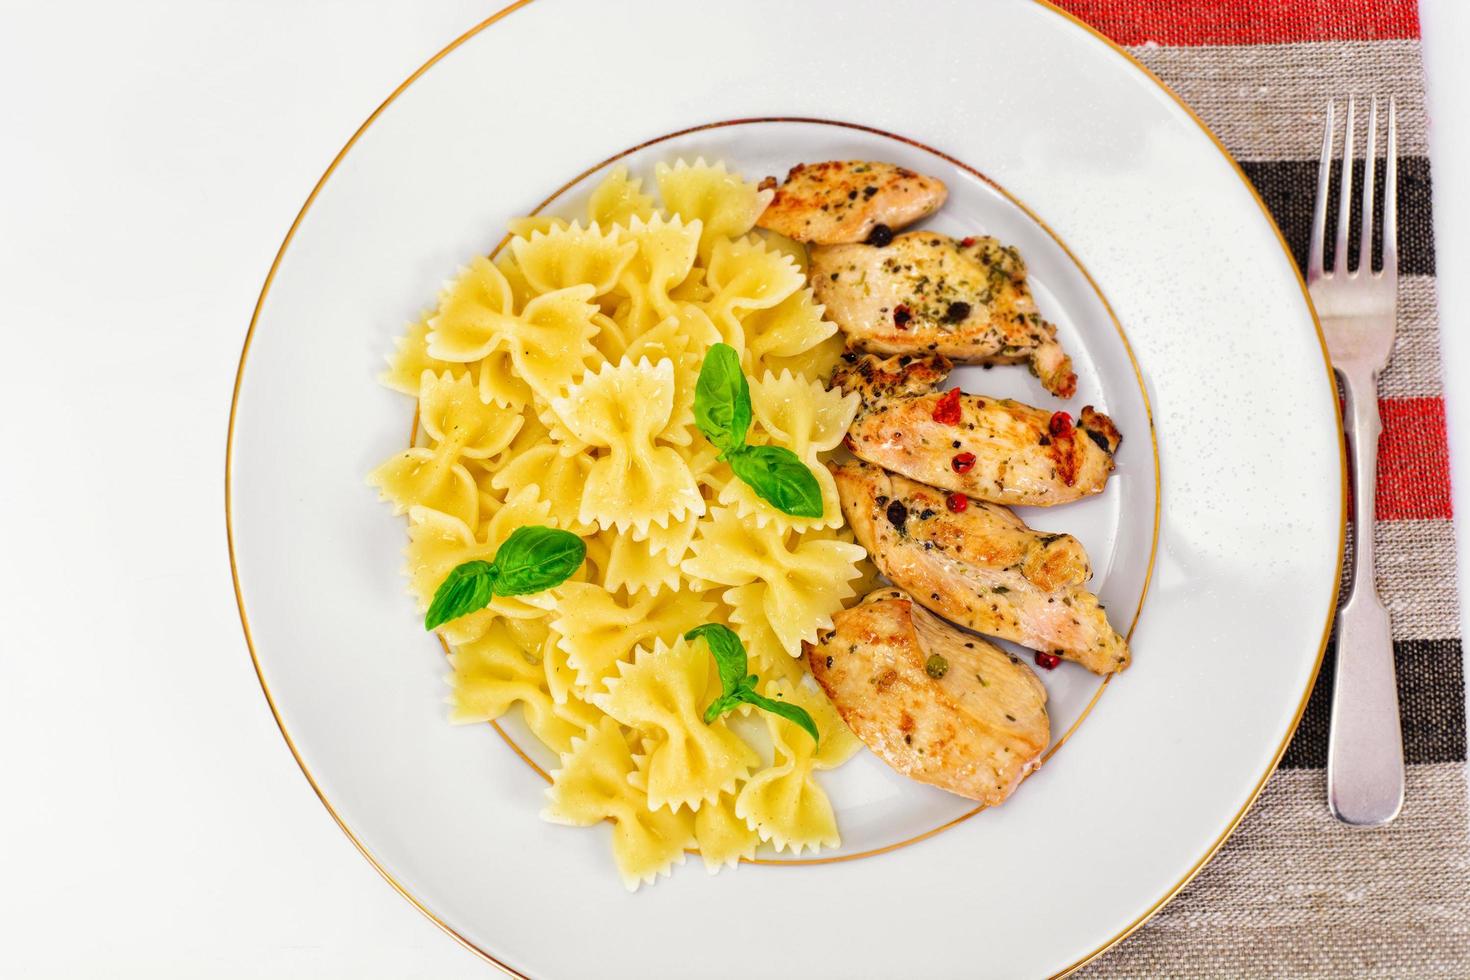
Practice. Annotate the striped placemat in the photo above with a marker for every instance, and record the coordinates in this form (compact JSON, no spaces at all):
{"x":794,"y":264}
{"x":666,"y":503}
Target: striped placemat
{"x":1293,"y":893}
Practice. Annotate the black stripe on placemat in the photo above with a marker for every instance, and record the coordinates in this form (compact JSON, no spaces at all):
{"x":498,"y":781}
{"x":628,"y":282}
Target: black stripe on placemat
{"x":1289,"y":188}
{"x":1431,"y":706}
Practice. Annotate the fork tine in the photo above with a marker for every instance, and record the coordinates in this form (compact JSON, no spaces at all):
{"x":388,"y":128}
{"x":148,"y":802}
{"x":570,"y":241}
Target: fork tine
{"x":1319,"y":211}
{"x":1370,"y":159}
{"x":1344,"y":194}
{"x":1391,"y":195}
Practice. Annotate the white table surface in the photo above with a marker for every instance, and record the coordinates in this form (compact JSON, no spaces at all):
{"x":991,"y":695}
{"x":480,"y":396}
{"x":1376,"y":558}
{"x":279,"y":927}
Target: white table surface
{"x":152,"y":155}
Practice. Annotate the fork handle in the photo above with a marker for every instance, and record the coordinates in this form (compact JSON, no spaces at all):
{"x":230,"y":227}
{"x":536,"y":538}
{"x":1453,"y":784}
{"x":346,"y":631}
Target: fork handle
{"x":1365,"y":750}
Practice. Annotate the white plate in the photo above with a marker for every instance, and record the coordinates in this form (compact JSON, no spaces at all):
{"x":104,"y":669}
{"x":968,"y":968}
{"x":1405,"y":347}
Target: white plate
{"x":1247,"y":443}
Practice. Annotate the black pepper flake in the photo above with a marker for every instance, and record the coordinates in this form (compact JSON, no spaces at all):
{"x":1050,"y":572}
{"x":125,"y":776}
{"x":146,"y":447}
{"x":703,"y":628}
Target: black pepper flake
{"x":880,"y":236}
{"x":957,"y":311}
{"x":926,"y":513}
{"x":852,"y":195}
{"x":1100,"y":439}
{"x":898,"y":515}
{"x":901,"y":316}
{"x":829,"y":663}
{"x":869,"y":191}
{"x":954,"y":444}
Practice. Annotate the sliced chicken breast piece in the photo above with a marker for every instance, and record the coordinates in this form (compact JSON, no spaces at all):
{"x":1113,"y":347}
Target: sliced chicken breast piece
{"x":875,"y":378}
{"x":938,"y":705}
{"x":981,"y":566}
{"x":929,"y":293}
{"x":842,"y":201}
{"x":996,"y":450}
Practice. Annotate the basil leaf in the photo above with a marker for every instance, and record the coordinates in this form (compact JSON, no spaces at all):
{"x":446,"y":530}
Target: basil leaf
{"x":791,"y":712}
{"x":465,"y":589}
{"x":722,"y":399}
{"x":719,"y":706}
{"x":729,"y":654}
{"x":779,"y":477}
{"x":536,"y":558}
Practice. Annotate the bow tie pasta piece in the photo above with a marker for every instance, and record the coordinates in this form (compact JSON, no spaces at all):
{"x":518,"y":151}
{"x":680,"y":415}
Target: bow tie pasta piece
{"x":666,"y":250}
{"x":663,"y":693}
{"x":803,"y":415}
{"x":472,"y":309}
{"x":744,"y":276}
{"x":570,"y":255}
{"x":724,"y":839}
{"x":551,"y":341}
{"x":592,"y":785}
{"x":437,"y":543}
{"x":806,"y":577}
{"x":790,"y":327}
{"x":598,"y":629}
{"x":426,"y":478}
{"x":499,"y":384}
{"x":725,"y":204}
{"x":814,"y":364}
{"x":808,"y":419}
{"x":619,"y":199}
{"x":461,"y":427}
{"x":769,"y":658}
{"x":683,"y":339}
{"x":492,"y":673}
{"x":783,"y":803}
{"x":410,"y":359}
{"x":452,"y":414}
{"x":622,"y":409}
{"x":778,"y":242}
{"x":632,"y":565}
{"x":530,"y":224}
{"x":649,"y":562}
{"x":558,"y":480}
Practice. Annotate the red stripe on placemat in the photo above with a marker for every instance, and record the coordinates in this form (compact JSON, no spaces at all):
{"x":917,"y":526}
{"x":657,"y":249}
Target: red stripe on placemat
{"x":1413,"y":460}
{"x":1196,"y":22}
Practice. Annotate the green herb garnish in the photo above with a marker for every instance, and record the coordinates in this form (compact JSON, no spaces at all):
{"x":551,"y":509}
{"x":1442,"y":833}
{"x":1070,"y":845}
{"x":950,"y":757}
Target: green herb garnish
{"x":722,"y":412}
{"x":736,"y":686}
{"x":532,"y":559}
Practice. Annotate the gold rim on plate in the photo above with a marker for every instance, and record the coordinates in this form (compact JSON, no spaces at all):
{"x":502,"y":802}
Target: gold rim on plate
{"x":500,"y":15}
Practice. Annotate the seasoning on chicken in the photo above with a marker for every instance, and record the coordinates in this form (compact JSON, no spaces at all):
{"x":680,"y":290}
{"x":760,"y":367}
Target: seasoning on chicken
{"x":938,"y":705}
{"x":843,"y":201}
{"x":928,"y":293}
{"x":997,"y":450}
{"x":875,"y":378}
{"x":981,"y":567}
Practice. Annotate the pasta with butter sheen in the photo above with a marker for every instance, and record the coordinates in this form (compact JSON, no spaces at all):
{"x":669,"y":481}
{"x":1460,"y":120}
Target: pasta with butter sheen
{"x":555,"y":385}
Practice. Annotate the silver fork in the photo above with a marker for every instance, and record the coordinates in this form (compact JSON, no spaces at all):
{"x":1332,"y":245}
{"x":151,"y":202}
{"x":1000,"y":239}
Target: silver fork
{"x":1365,"y":751}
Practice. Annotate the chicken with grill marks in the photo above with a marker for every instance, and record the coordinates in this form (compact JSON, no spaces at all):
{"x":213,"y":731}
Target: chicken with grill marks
{"x":924,"y":292}
{"x":980,"y":566}
{"x":842,"y":201}
{"x":996,"y":450}
{"x":939,"y":706}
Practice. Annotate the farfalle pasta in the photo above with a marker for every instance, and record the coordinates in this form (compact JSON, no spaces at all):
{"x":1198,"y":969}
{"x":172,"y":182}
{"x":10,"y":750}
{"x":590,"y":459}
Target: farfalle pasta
{"x":555,"y":385}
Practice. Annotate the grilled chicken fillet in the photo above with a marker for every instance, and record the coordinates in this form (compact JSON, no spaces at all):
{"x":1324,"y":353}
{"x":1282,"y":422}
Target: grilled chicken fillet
{"x":937,"y":705}
{"x":841,"y":201}
{"x":995,"y":450}
{"x":981,"y":566}
{"x":928,"y":293}
{"x":875,"y":378}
